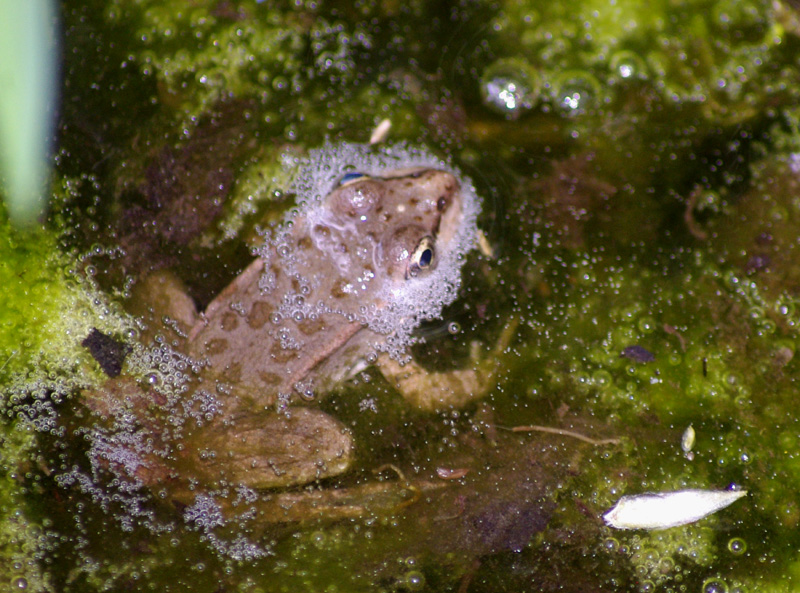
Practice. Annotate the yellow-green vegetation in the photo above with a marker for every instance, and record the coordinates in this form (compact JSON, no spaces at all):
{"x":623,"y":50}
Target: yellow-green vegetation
{"x":24,"y":539}
{"x":205,"y":53}
{"x":41,"y":291}
{"x":719,"y":55}
{"x":263,"y":180}
{"x":723,"y":359}
{"x":49,"y":306}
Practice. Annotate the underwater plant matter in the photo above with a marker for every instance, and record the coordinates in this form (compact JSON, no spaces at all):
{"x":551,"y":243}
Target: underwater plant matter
{"x":639,"y":226}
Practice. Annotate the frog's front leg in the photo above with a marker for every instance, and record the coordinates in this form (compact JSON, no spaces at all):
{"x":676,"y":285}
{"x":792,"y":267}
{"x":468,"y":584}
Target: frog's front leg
{"x":433,"y":391}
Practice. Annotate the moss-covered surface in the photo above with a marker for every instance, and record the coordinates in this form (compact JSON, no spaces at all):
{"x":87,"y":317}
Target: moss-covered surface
{"x":25,"y":540}
{"x":640,"y":173}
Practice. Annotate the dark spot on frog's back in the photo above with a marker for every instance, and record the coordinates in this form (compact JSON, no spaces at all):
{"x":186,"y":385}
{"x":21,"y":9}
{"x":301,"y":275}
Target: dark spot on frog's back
{"x":229,"y":321}
{"x":259,"y":314}
{"x":269,"y":378}
{"x":358,"y":198}
{"x":280,"y":354}
{"x":232,"y":373}
{"x":216,"y":346}
{"x":338,"y":288}
{"x":309,"y":327}
{"x":322,"y":230}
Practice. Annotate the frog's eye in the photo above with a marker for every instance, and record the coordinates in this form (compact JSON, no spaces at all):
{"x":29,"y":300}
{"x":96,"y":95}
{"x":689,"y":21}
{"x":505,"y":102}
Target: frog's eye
{"x":352,"y":177}
{"x":423,"y":257}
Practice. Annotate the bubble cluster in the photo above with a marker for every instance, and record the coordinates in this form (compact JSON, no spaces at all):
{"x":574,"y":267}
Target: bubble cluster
{"x":204,"y":513}
{"x":393,"y":310}
{"x":510,"y":87}
{"x":662,"y":558}
{"x":23,"y":542}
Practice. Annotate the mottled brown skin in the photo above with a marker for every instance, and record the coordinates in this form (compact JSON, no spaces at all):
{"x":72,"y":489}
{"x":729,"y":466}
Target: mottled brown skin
{"x":343,"y":255}
{"x":366,"y":236}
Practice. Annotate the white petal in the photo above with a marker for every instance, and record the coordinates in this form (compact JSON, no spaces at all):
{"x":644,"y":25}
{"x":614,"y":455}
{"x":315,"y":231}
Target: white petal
{"x":668,"y":509}
{"x":381,"y":132}
{"x":687,"y":441}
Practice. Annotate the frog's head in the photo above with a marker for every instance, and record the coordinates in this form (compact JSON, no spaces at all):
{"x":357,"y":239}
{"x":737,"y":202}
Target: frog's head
{"x":408,"y":215}
{"x":379,"y":237}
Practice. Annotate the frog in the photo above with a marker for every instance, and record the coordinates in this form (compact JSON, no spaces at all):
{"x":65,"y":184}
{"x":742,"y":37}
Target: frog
{"x":338,"y":286}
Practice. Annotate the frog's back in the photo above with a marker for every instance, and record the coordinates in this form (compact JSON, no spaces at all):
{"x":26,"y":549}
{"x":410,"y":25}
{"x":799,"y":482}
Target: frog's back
{"x":248,"y":343}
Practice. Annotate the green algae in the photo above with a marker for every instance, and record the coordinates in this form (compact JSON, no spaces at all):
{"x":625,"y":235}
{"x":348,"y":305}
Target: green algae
{"x":24,"y":540}
{"x":37,"y":290}
{"x":718,"y":54}
{"x":40,"y":344}
{"x":721,"y":338}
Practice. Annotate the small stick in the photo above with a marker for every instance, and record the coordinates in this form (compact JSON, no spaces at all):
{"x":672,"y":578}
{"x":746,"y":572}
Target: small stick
{"x":13,"y":354}
{"x":563,"y":432}
{"x":392,"y":467}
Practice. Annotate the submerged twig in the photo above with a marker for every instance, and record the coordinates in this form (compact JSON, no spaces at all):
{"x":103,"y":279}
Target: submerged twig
{"x":562,"y":432}
{"x":688,"y":215}
{"x":13,"y":354}
{"x":392,"y":467}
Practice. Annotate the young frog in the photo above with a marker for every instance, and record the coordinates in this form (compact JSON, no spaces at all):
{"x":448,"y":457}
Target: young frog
{"x":340,"y":285}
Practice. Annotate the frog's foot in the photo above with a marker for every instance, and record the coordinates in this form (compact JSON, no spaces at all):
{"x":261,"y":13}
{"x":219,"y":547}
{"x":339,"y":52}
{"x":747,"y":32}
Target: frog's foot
{"x":451,"y":389}
{"x":272,"y":450}
{"x":254,"y":449}
{"x":162,"y":301}
{"x":125,"y":437}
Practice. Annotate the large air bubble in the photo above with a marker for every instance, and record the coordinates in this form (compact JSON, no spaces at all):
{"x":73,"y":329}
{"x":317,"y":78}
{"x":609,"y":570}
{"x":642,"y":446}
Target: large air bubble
{"x":510,"y":87}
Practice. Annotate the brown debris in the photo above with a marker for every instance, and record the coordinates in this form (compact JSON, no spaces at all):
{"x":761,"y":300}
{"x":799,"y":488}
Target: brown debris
{"x":574,"y":195}
{"x":108,"y":352}
{"x":673,"y":331}
{"x":181,"y":191}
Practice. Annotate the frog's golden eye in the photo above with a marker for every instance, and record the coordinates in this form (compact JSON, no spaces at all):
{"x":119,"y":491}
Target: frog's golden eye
{"x":423,"y":258}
